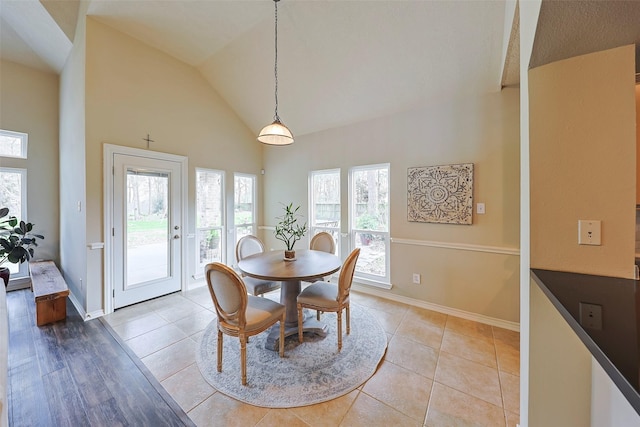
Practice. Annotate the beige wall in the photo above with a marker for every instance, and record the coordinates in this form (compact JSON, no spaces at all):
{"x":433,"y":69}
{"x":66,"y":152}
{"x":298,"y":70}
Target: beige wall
{"x":637,"y":143}
{"x":528,"y":21}
{"x":559,"y":369}
{"x":132,"y":90}
{"x":29,"y":103}
{"x":583,"y":151}
{"x":583,"y":166}
{"x":482,"y":130}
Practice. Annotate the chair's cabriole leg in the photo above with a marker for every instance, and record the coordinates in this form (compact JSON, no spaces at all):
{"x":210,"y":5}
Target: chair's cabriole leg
{"x":220,"y":350}
{"x":348,"y":320}
{"x":299,"y":323}
{"x":243,"y":358}
{"x":282,"y":320}
{"x":339,"y":330}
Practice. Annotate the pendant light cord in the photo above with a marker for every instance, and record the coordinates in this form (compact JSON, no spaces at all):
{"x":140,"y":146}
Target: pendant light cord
{"x":276,"y":117}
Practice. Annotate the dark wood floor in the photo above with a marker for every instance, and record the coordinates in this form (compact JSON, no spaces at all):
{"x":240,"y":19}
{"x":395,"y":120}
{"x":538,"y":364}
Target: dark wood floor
{"x":76,"y":373}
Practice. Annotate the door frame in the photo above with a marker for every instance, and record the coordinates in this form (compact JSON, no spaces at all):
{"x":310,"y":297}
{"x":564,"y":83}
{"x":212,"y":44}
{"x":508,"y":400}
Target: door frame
{"x":109,"y":150}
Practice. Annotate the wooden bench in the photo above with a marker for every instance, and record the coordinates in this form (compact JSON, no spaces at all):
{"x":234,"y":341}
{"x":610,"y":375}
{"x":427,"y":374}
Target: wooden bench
{"x":50,"y":292}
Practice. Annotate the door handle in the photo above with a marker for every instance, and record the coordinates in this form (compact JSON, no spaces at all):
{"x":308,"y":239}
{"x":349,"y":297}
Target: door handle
{"x":177,"y":236}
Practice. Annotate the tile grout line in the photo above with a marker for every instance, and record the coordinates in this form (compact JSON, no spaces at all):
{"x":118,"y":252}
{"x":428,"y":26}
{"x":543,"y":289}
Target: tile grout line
{"x":435,"y":372}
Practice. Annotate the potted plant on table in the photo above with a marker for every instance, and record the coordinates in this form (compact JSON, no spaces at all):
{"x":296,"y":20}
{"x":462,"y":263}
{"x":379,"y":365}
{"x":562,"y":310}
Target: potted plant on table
{"x":17,"y":242}
{"x":289,"y":231}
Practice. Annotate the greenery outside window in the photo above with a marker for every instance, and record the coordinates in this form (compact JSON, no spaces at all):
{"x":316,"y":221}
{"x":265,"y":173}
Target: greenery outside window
{"x":324,"y":204}
{"x":210,"y":241}
{"x":369,"y":221}
{"x":244,"y":209}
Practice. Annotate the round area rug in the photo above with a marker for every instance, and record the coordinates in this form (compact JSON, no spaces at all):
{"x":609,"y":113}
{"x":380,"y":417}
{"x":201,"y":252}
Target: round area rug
{"x":309,"y":373}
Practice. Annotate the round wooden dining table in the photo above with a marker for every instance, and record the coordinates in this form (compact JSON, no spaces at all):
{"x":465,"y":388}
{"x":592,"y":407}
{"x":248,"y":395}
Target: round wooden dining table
{"x":308,"y":265}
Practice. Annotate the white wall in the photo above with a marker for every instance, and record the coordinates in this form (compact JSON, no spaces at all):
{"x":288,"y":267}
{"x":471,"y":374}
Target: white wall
{"x":483,"y":131}
{"x":73,"y":256}
{"x":560,"y":369}
{"x":609,"y":407}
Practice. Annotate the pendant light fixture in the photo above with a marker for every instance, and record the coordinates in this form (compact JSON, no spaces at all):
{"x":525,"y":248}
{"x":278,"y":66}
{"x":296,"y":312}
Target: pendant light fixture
{"x":276,"y":133}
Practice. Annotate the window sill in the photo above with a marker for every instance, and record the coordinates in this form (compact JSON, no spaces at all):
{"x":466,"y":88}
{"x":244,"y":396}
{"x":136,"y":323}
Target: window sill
{"x":374,"y":283}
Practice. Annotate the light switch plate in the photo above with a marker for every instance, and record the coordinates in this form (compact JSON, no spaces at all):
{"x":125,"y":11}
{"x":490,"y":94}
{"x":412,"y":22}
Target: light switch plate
{"x":589,"y":232}
{"x":480,"y":208}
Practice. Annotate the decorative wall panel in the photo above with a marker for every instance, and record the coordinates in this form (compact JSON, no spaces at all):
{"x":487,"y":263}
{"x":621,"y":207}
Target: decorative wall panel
{"x":440,"y":194}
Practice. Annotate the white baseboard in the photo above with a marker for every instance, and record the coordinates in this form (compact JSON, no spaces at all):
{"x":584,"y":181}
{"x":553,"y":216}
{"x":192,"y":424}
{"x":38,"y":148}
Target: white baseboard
{"x":85,"y":316}
{"x":505,"y":324}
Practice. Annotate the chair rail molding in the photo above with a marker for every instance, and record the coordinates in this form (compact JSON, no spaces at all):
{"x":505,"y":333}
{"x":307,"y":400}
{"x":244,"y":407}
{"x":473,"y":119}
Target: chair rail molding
{"x":458,"y":246}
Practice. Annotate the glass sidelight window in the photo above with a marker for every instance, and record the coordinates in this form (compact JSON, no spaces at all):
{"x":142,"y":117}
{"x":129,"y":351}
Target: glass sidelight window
{"x":244,"y":210}
{"x":369,"y":220}
{"x":324,"y":204}
{"x":210,"y":242}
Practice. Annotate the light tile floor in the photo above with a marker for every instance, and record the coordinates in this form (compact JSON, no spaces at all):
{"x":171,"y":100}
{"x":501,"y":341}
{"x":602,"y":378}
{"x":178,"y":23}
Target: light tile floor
{"x":439,"y":370}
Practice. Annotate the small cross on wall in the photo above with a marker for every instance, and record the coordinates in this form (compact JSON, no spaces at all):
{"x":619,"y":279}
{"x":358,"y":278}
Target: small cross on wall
{"x":148,"y":139}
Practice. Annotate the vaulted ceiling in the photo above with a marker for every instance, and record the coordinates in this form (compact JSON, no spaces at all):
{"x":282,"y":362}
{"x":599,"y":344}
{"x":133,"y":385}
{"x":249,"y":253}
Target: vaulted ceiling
{"x":339,"y":62}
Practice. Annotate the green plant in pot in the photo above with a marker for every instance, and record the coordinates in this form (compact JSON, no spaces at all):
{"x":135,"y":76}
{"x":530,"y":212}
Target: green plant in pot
{"x":17,"y":242}
{"x":289,"y":231}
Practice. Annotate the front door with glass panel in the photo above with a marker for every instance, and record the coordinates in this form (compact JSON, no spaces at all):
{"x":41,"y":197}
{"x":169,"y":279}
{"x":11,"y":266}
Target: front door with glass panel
{"x":147,"y":228}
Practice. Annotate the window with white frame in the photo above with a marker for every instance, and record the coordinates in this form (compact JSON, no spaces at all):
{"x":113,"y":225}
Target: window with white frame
{"x":210,"y":236}
{"x":369,"y":221}
{"x":13,"y":195}
{"x":13,"y":144}
{"x":244,"y":209}
{"x":324,"y":204}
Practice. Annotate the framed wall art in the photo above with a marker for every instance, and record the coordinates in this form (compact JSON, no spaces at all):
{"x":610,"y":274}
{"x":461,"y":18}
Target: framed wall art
{"x":440,"y":194}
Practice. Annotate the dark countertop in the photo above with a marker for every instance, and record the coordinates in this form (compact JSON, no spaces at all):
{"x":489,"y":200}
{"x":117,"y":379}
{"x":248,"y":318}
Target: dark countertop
{"x":617,"y":345}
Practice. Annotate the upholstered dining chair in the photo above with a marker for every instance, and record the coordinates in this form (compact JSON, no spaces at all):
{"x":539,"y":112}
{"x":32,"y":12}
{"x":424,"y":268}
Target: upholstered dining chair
{"x":325,"y":296}
{"x":250,"y":245}
{"x":324,"y":242}
{"x":239,"y":314}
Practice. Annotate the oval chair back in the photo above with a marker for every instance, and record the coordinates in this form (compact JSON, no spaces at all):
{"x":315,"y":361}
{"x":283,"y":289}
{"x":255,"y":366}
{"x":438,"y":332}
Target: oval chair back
{"x":324,"y":242}
{"x":346,"y":275}
{"x":323,"y":296}
{"x":229,"y":296}
{"x":240,"y":315}
{"x":247,"y":246}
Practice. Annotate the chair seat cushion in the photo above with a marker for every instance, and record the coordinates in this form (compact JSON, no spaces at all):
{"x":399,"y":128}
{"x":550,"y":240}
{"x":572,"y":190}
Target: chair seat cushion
{"x":320,"y":294}
{"x":261,"y":312}
{"x":259,"y":286}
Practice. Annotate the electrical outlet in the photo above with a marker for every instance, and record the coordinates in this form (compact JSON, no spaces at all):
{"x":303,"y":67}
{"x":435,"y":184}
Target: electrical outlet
{"x":591,"y":316}
{"x":416,"y":278}
{"x":589,"y":232}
